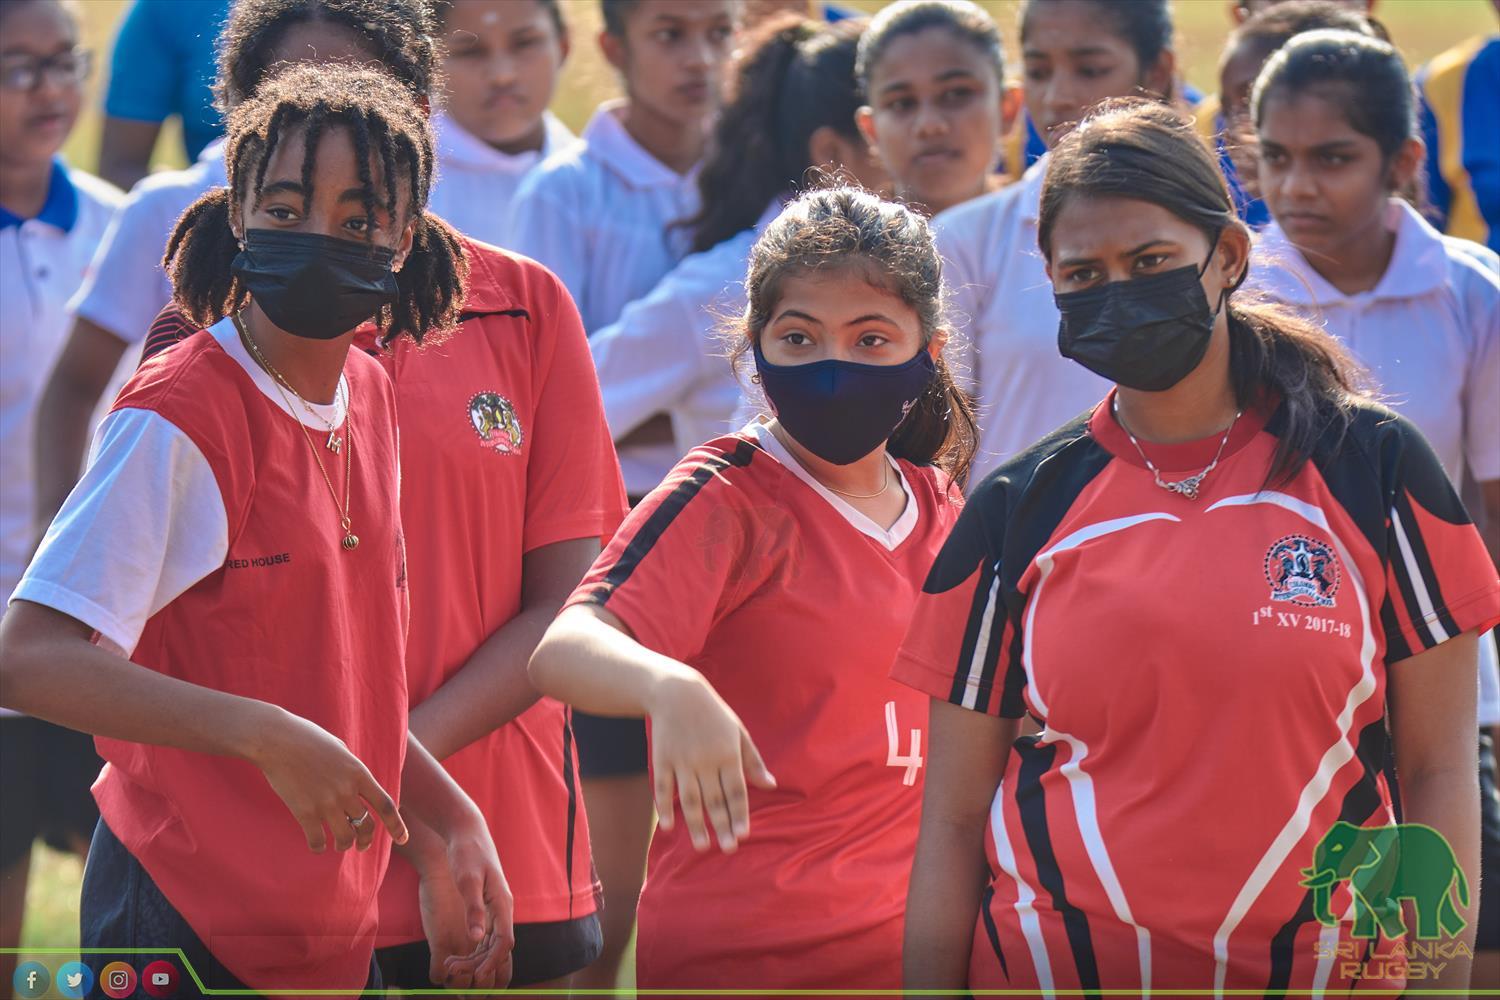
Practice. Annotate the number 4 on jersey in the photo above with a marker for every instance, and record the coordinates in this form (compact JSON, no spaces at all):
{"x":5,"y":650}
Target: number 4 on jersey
{"x":893,"y":757}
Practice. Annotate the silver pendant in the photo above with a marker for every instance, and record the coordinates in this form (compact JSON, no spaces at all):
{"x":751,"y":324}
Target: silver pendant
{"x":1187,"y":487}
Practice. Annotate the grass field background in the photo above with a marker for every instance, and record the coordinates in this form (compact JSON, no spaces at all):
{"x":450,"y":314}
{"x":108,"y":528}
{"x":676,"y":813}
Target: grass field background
{"x":1422,"y":28}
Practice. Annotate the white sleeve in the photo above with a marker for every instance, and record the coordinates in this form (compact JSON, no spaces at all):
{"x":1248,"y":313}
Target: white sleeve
{"x":963,"y":308}
{"x":543,"y":226}
{"x":650,"y":359}
{"x":125,"y":286}
{"x":1482,"y":383}
{"x":146,"y":522}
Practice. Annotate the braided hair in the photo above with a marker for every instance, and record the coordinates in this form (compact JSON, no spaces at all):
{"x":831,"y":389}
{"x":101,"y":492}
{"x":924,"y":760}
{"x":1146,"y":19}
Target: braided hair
{"x":399,"y":35}
{"x":383,"y":124}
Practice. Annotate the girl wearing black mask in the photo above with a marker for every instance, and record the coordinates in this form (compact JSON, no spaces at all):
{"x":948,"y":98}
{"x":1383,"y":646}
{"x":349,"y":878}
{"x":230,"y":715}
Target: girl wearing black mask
{"x":1234,"y":538}
{"x":237,"y":537}
{"x":750,"y":605}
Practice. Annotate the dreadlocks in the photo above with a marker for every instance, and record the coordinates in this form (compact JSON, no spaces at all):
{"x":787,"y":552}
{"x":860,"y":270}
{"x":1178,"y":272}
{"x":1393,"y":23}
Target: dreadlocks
{"x":385,"y":126}
{"x":399,"y":34}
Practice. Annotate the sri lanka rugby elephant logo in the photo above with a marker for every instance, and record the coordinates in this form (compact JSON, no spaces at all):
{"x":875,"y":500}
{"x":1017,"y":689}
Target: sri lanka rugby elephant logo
{"x":1385,"y":865}
{"x":494,"y":420}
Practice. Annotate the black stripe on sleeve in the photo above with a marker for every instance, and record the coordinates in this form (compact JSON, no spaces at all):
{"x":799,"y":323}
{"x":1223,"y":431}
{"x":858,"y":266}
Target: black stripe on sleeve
{"x":1424,"y":565}
{"x":1031,"y":799}
{"x":1012,"y":704}
{"x":662,"y":517}
{"x":978,"y":603}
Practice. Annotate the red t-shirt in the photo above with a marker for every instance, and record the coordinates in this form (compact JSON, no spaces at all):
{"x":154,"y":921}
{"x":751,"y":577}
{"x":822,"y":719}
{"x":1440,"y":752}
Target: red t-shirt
{"x":294,"y":619}
{"x":740,"y":567}
{"x":504,"y":449}
{"x":1211,"y":675}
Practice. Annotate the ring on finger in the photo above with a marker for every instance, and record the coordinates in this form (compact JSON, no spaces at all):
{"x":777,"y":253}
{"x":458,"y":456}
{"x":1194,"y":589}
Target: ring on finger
{"x":356,"y":823}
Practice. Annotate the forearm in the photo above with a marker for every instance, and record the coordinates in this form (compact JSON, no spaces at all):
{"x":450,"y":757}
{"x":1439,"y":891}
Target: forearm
{"x":491,"y":689}
{"x":1448,"y":801}
{"x":431,"y":796}
{"x":49,"y":669}
{"x":947,"y":881}
{"x":599,"y":669}
{"x":60,"y":442}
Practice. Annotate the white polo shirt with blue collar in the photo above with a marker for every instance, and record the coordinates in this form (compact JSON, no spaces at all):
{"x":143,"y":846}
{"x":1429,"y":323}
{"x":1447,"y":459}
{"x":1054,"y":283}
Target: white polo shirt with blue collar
{"x":43,"y":260}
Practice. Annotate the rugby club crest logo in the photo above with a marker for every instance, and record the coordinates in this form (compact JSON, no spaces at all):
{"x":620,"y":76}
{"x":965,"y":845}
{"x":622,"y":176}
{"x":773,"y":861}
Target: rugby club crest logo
{"x":494,"y":420}
{"x":1303,"y":571}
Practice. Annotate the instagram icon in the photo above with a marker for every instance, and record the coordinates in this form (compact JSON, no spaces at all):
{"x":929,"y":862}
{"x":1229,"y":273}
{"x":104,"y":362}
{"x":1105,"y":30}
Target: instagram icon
{"x":117,"y":980}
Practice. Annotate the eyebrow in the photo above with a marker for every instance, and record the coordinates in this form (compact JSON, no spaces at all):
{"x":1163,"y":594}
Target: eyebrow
{"x":1074,"y":261}
{"x":796,"y":314}
{"x":293,"y":187}
{"x":871,"y":317}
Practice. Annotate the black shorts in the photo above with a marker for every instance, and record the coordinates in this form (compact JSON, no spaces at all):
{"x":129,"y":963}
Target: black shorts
{"x":544,"y":952}
{"x":45,"y":773}
{"x":609,"y":747}
{"x":121,"y":907}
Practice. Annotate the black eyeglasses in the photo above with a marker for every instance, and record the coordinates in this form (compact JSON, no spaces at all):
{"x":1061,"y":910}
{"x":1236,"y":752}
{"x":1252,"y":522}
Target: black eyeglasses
{"x":64,"y":69}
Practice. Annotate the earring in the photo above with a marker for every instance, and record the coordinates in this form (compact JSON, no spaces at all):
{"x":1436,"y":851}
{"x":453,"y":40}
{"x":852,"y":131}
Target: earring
{"x":755,"y":379}
{"x":242,"y":244}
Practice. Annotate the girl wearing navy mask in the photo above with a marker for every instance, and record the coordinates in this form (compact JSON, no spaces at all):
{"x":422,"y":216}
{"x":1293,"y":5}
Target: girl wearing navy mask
{"x":235,"y":552}
{"x":1235,"y":538}
{"x":750,"y":606}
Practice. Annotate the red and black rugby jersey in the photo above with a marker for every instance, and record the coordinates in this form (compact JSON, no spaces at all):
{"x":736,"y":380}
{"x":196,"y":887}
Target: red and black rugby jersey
{"x":1211,"y":677}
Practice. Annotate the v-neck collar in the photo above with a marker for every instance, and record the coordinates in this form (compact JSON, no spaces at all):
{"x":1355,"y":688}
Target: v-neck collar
{"x":889,"y":539}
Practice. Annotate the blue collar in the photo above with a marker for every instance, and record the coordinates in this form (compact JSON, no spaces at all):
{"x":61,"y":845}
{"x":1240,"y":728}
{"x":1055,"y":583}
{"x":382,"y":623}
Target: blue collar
{"x":61,"y":207}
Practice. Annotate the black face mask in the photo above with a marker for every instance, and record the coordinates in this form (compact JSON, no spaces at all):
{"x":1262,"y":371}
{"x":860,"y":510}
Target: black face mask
{"x":1145,"y":333}
{"x":314,"y":286}
{"x":842,"y":410}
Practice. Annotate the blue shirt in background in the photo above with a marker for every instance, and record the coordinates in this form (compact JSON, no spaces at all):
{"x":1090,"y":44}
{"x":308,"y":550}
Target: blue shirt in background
{"x":1461,"y":125}
{"x":163,"y":65}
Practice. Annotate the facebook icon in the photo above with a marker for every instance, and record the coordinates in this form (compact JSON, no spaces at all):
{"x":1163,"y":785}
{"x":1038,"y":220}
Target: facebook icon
{"x":31,"y":980}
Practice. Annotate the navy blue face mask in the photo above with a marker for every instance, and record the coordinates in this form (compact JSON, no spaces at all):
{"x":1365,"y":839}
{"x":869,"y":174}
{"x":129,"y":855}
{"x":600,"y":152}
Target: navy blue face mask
{"x":842,"y":410}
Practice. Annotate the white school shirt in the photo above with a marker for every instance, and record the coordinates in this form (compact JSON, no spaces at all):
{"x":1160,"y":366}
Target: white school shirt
{"x":476,"y":181}
{"x":1429,"y":331}
{"x":1006,"y":322}
{"x":147,"y":520}
{"x":600,"y":216}
{"x":667,"y":350}
{"x":43,"y":260}
{"x":127,"y":286}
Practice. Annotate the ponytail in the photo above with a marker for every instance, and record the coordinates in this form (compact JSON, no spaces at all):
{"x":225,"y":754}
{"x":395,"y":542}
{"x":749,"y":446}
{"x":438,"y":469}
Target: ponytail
{"x":199,"y":258}
{"x":797,"y":76}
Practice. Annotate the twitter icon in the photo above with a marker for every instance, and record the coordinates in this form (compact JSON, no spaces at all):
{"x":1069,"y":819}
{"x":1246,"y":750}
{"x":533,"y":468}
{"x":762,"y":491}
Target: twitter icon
{"x":75,"y":980}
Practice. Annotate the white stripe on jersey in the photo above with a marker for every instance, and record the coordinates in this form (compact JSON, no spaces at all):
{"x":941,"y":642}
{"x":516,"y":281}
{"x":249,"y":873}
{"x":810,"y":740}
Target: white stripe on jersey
{"x":1334,"y":758}
{"x":981,"y":644}
{"x":1418,"y":583}
{"x":1030,"y":925}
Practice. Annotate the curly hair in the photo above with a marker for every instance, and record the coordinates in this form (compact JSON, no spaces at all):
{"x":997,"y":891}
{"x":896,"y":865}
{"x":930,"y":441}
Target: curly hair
{"x":892,"y":248}
{"x":398,"y":34}
{"x":384,"y":125}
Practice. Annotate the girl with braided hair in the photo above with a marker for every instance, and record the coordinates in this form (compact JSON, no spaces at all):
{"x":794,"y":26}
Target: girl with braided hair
{"x":126,"y":286}
{"x":222,"y":600}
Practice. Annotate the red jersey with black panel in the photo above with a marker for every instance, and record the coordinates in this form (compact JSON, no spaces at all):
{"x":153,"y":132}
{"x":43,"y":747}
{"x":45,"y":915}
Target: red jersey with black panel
{"x":793,"y":606}
{"x":504,"y":450}
{"x":1211,"y":677}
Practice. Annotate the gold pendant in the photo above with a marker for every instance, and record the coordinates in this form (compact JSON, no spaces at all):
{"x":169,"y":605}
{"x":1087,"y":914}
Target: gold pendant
{"x":351,"y":541}
{"x":334,"y":442}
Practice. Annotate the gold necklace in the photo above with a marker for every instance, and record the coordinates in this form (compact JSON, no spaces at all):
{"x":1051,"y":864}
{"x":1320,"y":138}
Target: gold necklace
{"x":351,"y":540}
{"x":334,"y":441}
{"x":885,"y":485}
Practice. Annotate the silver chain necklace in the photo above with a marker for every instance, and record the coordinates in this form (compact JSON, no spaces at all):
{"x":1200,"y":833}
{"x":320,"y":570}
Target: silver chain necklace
{"x":1186,"y":487}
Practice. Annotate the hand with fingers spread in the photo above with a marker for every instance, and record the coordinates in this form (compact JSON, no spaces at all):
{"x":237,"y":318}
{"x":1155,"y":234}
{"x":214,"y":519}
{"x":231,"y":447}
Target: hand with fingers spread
{"x":330,"y":793}
{"x":701,"y":749}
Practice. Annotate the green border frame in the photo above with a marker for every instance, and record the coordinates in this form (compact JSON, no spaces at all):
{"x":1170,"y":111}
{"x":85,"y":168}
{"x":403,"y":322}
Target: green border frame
{"x":435,"y":992}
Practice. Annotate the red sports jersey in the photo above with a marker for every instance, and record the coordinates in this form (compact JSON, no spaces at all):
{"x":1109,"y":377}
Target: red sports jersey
{"x":1211,"y":675}
{"x":294,"y":619}
{"x":504,"y":449}
{"x":742,"y":568}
